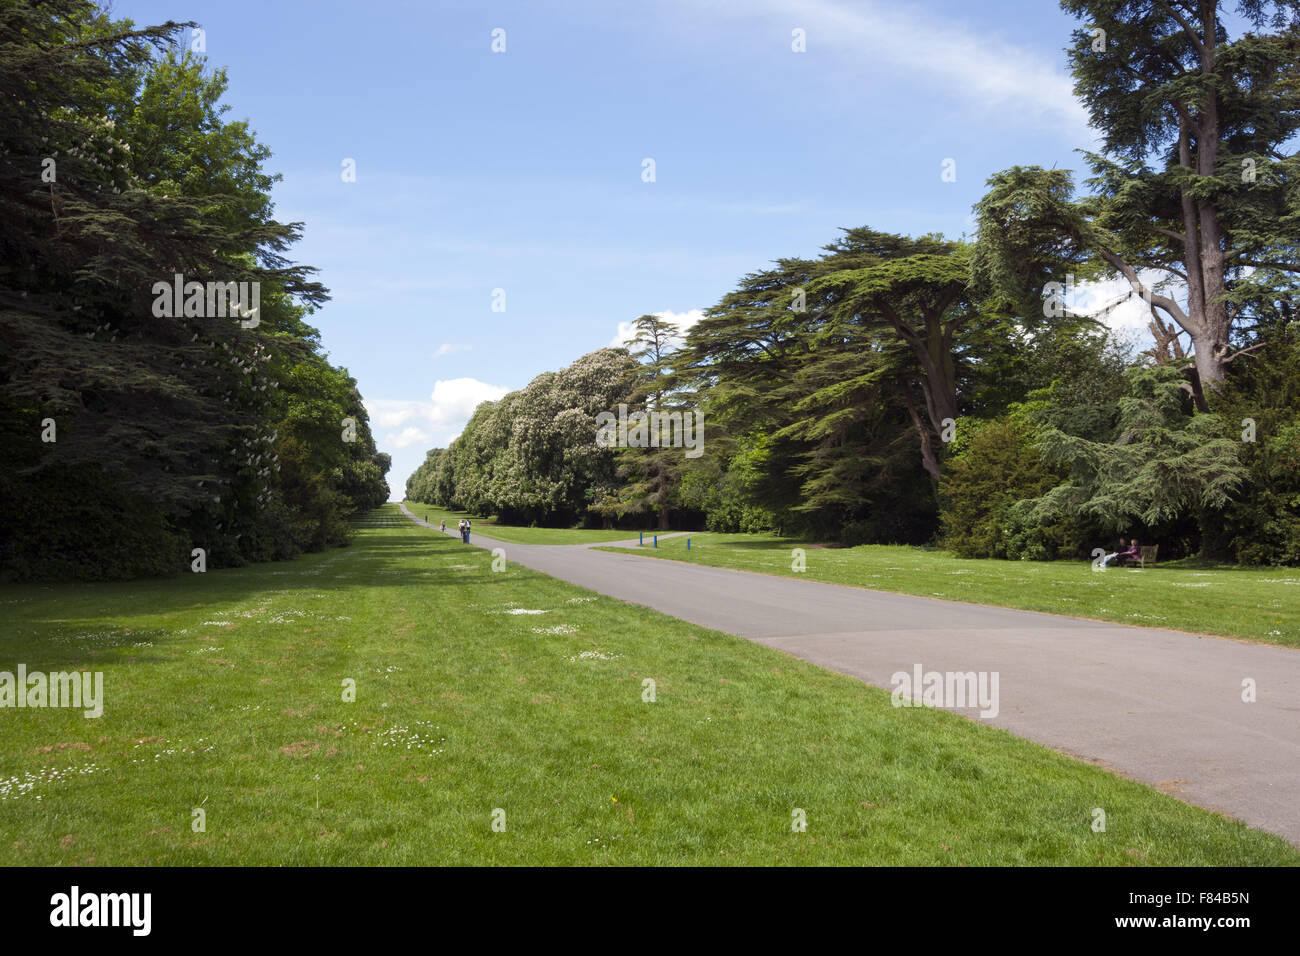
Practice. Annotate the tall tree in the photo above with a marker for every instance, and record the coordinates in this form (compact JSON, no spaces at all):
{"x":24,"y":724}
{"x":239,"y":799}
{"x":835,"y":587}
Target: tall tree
{"x":118,"y":172}
{"x":1193,"y":183}
{"x":1159,"y":464}
{"x":918,"y":289}
{"x":650,"y":475}
{"x":819,"y":390}
{"x":532,"y":455}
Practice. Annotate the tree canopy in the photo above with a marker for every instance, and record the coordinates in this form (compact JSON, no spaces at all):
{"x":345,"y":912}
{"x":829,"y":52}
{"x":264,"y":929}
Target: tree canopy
{"x":135,"y":433}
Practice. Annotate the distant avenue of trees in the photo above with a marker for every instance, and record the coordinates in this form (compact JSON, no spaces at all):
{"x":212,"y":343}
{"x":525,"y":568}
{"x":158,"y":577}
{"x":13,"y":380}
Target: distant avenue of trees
{"x":133,"y":435}
{"x":917,"y":389}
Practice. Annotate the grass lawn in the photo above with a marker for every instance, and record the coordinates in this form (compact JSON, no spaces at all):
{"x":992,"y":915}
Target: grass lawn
{"x":478,"y":690}
{"x":1255,"y":604}
{"x":513,"y":534}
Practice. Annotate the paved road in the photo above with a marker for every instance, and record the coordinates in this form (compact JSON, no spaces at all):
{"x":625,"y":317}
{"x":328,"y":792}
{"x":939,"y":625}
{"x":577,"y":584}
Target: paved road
{"x":1158,"y":706}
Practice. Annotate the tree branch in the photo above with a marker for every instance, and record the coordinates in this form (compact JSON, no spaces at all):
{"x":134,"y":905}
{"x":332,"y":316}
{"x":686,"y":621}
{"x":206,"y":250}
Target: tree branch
{"x":1160,"y":301}
{"x":1172,"y":234}
{"x":1243,"y":352}
{"x":1283,"y":266}
{"x":1164,"y":268}
{"x":1182,"y":22}
{"x":901,"y":327}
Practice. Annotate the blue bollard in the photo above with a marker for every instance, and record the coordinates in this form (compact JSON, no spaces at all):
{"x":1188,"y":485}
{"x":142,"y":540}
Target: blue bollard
{"x":656,"y":541}
{"x":640,"y":538}
{"x":688,"y":544}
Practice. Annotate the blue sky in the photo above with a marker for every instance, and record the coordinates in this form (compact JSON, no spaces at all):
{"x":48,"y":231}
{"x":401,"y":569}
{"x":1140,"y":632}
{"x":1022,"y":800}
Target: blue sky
{"x":522,"y":170}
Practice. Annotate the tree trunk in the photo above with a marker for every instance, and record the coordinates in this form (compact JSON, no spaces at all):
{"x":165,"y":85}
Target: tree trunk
{"x":938,"y":381}
{"x":932,"y":348}
{"x":1205,"y":258}
{"x":928,"y":458}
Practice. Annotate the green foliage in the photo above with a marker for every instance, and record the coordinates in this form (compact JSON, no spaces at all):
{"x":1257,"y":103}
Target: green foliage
{"x":77,"y":524}
{"x":995,"y":465}
{"x":117,"y":172}
{"x":827,"y":382}
{"x":649,"y":477}
{"x":725,"y":496}
{"x":533,"y":456}
{"x":837,"y":375}
{"x":1262,"y":524}
{"x":1162,"y":462}
{"x":1195,"y":183}
{"x":422,"y":483}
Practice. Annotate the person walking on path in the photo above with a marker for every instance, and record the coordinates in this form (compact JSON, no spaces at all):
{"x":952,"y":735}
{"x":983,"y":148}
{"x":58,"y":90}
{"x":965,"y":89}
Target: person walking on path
{"x":467,"y":529}
{"x":443,"y":526}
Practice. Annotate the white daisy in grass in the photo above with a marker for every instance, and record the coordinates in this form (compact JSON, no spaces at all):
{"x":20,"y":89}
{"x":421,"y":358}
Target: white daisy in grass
{"x":558,"y":629}
{"x":594,"y":656}
{"x":12,"y":788}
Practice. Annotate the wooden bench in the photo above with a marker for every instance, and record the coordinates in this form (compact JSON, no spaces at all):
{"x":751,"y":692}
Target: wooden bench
{"x":1147,"y":552}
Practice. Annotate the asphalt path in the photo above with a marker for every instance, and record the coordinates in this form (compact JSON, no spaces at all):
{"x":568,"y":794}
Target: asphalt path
{"x":1163,"y":707}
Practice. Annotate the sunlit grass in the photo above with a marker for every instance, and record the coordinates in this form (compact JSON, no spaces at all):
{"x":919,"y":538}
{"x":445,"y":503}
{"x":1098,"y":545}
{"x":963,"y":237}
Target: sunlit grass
{"x":1257,"y":604}
{"x":514,"y":534}
{"x":478,"y":691}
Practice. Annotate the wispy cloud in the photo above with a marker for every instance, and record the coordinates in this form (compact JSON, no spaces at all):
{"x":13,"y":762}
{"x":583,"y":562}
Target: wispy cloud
{"x":990,"y":74}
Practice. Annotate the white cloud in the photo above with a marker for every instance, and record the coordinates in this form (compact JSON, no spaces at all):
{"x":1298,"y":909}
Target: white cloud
{"x":407,"y":428}
{"x":389,"y":412}
{"x":447,"y":349}
{"x":455,"y":399}
{"x":1109,"y":300}
{"x":409,"y":435}
{"x":683,"y":321}
{"x":438,"y":420}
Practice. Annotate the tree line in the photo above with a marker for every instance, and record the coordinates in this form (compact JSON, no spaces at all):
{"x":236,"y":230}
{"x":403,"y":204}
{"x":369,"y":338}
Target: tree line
{"x":924,"y":389}
{"x":132,"y":434}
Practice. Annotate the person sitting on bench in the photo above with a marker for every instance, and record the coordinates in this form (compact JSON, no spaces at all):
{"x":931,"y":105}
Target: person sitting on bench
{"x":1126,"y":558}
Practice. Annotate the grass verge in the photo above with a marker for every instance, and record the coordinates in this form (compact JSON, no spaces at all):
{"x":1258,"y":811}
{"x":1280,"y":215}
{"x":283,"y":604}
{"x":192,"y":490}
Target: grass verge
{"x":1254,"y":604}
{"x":479,"y":691}
{"x":513,"y":534}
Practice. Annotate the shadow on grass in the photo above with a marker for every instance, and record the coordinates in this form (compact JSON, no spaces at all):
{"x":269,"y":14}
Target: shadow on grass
{"x":781,"y":545}
{"x":48,"y":626}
